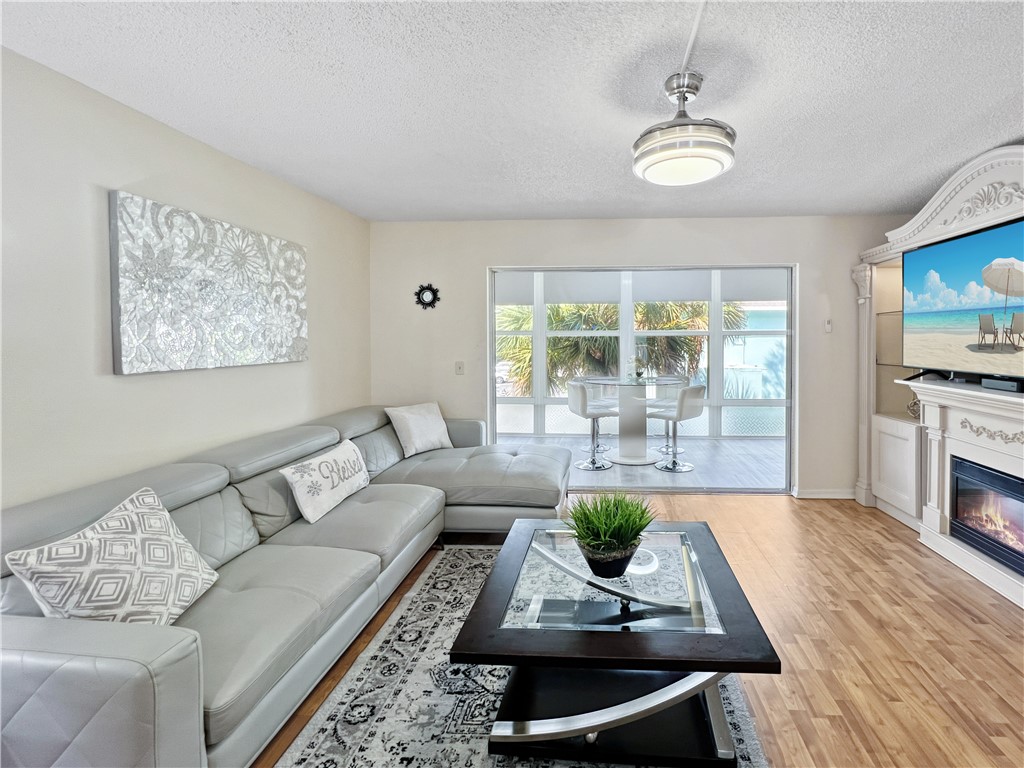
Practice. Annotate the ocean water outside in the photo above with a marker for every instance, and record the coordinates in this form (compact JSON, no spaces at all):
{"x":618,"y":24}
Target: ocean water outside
{"x":766,"y":319}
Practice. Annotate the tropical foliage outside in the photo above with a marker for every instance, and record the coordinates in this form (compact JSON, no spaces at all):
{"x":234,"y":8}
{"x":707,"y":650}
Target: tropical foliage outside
{"x":570,"y":356}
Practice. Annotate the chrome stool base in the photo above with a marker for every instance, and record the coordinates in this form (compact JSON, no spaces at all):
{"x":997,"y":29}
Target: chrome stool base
{"x":593,"y":464}
{"x":671,"y":465}
{"x":601,"y":448}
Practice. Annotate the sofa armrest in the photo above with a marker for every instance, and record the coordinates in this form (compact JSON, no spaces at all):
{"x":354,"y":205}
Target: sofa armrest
{"x":90,"y":693}
{"x":465,"y":433}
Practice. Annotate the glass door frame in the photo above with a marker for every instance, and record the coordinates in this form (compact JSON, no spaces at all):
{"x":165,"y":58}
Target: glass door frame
{"x":716,"y":335}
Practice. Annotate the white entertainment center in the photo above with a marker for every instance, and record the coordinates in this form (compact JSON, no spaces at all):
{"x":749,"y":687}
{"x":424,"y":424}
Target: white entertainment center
{"x":904,"y":461}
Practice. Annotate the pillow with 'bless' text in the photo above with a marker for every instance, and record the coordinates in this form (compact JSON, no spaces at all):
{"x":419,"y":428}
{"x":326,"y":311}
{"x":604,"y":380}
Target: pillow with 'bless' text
{"x":322,"y":482}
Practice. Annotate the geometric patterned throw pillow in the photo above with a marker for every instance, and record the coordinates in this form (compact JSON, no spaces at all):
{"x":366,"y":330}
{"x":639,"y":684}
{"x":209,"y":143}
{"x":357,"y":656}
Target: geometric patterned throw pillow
{"x":131,"y":565}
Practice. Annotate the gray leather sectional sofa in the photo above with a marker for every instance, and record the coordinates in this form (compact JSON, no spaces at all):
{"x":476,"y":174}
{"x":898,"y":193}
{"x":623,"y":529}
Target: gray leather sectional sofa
{"x":214,"y":687}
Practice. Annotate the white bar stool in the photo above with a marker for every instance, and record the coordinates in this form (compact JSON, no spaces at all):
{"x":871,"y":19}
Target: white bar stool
{"x":580,"y":404}
{"x":689,"y":405}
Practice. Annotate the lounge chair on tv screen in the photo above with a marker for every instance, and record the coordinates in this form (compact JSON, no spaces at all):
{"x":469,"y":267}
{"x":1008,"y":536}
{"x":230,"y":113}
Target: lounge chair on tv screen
{"x":1014,"y":334}
{"x":987,"y":327}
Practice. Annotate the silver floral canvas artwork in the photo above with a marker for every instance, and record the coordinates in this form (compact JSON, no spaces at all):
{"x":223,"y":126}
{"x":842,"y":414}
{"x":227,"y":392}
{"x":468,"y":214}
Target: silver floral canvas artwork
{"x":189,"y":292}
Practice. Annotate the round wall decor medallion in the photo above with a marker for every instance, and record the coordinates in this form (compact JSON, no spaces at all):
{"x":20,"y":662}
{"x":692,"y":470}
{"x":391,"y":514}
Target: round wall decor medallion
{"x":427,"y":296}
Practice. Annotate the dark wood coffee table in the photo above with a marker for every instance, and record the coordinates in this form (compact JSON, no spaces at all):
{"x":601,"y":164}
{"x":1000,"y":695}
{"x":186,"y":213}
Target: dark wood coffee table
{"x":623,"y":670}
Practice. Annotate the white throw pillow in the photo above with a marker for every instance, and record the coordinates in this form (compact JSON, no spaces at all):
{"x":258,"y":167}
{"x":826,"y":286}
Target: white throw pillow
{"x":131,"y":565}
{"x":321,"y":483}
{"x":419,"y":428}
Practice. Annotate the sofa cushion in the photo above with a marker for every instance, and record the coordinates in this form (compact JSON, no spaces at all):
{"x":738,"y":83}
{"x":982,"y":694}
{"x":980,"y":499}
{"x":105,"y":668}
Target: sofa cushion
{"x":270,"y":500}
{"x":218,"y":525}
{"x":380,"y":519}
{"x":321,"y":484}
{"x":254,"y":455}
{"x":268,"y":607}
{"x":496,"y":475}
{"x":355,"y":421}
{"x":131,"y":565}
{"x":381,"y":449}
{"x":49,"y":519}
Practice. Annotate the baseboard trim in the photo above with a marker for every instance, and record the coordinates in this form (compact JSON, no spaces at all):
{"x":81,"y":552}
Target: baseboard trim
{"x":823,"y":493}
{"x":997,"y":577}
{"x":908,"y":520}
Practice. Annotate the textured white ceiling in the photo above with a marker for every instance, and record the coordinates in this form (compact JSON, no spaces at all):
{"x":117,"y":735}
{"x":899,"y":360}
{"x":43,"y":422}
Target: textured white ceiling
{"x":408,"y":111}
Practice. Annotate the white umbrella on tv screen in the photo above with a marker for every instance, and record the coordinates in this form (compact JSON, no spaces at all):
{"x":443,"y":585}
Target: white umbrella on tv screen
{"x":1005,"y":276}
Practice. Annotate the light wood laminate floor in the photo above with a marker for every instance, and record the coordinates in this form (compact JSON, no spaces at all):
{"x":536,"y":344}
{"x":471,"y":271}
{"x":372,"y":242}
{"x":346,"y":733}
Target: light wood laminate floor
{"x":891,"y":656}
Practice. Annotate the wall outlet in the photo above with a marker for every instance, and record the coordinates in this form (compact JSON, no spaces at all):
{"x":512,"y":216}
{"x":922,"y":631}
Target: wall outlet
{"x":828,"y":326}
{"x":460,"y":368}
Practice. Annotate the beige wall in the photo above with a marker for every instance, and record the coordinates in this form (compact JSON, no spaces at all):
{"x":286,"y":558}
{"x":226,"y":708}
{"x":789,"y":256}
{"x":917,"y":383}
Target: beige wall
{"x":413,"y":352}
{"x":67,"y":420}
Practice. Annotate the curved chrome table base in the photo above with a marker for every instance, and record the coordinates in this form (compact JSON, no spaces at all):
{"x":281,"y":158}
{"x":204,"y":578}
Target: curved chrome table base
{"x":625,"y":594}
{"x":589,"y":724}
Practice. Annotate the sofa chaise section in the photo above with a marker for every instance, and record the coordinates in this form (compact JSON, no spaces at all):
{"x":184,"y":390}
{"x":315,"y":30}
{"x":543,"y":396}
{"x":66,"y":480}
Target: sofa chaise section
{"x":486,"y":487}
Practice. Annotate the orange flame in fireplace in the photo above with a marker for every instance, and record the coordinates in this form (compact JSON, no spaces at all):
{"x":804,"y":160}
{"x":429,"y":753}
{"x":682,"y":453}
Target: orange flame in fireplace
{"x":987,"y":517}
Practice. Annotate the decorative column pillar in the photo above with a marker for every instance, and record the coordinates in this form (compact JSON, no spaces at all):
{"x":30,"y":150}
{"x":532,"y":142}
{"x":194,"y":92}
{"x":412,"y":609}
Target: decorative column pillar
{"x":862,"y":275}
{"x":934,"y":514}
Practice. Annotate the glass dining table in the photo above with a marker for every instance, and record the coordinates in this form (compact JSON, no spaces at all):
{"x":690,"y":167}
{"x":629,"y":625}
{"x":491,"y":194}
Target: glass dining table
{"x":633,"y":396}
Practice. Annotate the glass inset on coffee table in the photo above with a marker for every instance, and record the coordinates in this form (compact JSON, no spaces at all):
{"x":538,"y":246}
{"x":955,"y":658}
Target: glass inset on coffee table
{"x":614,"y":670}
{"x":663,"y":590}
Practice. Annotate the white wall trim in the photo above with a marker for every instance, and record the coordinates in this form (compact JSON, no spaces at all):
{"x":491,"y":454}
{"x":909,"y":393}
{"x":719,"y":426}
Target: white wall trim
{"x":823,"y":493}
{"x":908,"y":520}
{"x":999,"y":579}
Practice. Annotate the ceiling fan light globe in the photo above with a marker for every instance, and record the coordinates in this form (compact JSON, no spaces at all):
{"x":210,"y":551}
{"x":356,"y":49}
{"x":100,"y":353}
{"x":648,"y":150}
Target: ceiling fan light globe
{"x":678,"y":155}
{"x":681,"y":171}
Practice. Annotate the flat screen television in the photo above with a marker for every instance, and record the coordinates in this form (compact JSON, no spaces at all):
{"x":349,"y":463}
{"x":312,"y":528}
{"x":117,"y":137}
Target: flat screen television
{"x":959,"y":296}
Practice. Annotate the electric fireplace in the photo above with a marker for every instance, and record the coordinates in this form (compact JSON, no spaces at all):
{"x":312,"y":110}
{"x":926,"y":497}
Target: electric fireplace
{"x":987,"y":512}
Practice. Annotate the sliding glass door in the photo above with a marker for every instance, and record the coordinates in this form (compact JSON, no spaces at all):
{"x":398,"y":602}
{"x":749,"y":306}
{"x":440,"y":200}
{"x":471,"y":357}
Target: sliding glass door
{"x":727,"y":328}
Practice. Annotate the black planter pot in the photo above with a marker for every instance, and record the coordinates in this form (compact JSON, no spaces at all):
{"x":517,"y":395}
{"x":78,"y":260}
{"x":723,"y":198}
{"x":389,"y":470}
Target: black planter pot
{"x":609,"y":566}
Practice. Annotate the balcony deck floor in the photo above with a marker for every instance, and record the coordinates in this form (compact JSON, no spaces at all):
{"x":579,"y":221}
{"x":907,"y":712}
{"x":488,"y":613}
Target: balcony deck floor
{"x":744,"y":465}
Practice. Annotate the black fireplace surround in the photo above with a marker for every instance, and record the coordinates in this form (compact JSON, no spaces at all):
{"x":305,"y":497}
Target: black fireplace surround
{"x":987,"y":512}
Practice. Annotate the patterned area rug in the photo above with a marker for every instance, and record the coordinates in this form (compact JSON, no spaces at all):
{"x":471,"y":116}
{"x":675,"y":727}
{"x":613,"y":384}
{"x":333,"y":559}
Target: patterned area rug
{"x":404,"y":704}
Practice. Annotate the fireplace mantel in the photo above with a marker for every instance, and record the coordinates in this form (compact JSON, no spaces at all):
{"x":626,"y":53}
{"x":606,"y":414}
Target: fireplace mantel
{"x":981,"y":425}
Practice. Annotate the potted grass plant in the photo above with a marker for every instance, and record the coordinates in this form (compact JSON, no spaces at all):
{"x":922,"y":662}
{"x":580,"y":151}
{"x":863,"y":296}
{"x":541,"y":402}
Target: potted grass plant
{"x":607,"y":528}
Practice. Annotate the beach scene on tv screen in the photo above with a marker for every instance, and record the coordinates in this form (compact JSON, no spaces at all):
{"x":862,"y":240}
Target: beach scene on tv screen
{"x":963,"y":304}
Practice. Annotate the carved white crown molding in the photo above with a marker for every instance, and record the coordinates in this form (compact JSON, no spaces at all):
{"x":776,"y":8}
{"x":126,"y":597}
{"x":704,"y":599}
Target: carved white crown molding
{"x":987,"y":191}
{"x":989,"y":198}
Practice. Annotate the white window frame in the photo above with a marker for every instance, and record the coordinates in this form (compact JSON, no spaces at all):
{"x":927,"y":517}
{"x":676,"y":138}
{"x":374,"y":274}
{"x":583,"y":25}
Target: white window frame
{"x":716,"y":336}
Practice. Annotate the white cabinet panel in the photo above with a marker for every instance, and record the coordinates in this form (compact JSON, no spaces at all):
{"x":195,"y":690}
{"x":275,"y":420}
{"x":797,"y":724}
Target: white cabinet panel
{"x":896,"y":463}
